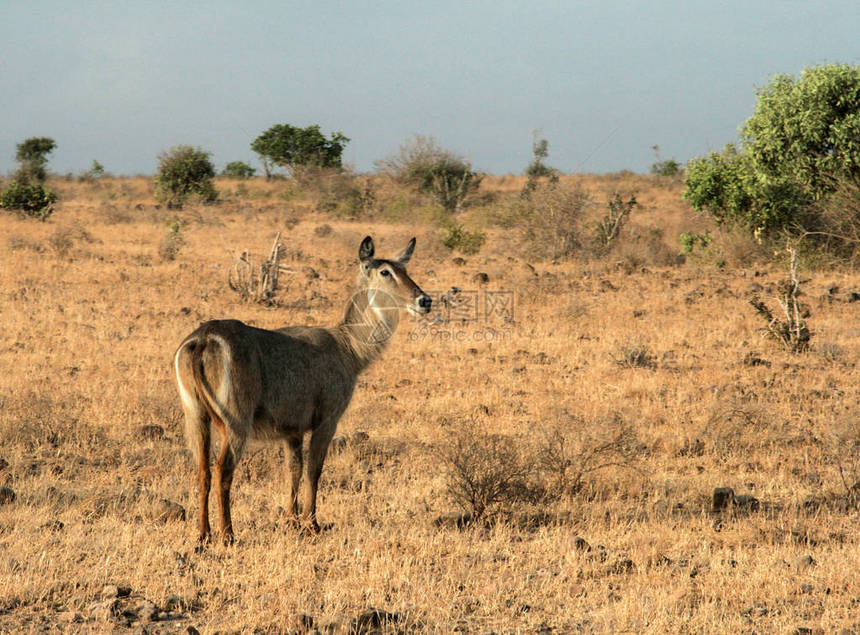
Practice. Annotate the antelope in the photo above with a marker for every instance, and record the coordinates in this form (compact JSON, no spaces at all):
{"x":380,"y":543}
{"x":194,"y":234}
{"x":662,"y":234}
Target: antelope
{"x":291,"y":384}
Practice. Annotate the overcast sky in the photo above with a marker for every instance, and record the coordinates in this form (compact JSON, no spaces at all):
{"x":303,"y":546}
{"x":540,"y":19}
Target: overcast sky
{"x":603,"y":81}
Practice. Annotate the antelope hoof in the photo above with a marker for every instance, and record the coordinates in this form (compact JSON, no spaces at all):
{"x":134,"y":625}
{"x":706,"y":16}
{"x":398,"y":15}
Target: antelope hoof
{"x":203,"y":540}
{"x":311,"y":528}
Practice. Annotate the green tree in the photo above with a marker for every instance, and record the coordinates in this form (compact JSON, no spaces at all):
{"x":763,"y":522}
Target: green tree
{"x":294,"y":148}
{"x":238,"y":170}
{"x":32,"y":156}
{"x":184,"y":172}
{"x":800,"y":144}
{"x":664,"y":167}
{"x":537,"y":168}
{"x":26,"y":193}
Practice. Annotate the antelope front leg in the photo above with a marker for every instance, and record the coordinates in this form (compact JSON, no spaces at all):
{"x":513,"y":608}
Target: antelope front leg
{"x":294,"y":475}
{"x":320,"y":439}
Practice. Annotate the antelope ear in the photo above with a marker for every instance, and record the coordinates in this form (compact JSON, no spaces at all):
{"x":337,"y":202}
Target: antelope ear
{"x":404,"y":256}
{"x":366,"y":251}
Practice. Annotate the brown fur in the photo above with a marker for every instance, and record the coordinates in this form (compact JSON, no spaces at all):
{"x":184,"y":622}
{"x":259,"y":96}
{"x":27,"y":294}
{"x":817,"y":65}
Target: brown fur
{"x":292,"y":383}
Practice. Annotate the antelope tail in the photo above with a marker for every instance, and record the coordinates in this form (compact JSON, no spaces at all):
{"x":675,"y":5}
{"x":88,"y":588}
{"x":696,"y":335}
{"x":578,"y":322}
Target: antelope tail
{"x":201,"y":385}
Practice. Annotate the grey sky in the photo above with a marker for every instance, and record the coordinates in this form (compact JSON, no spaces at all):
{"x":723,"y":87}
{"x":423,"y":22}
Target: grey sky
{"x":121,"y":81}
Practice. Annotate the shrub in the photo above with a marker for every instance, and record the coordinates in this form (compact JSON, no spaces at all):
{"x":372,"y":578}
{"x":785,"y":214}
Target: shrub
{"x":461,"y":239}
{"x":486,"y":472}
{"x":446,"y":176}
{"x":570,"y":452}
{"x":31,"y":200}
{"x":238,"y":170}
{"x":667,"y":167}
{"x":184,"y":172}
{"x":792,"y":332}
{"x":610,"y":225}
{"x":800,"y":144}
{"x":552,"y":218}
{"x":634,"y":354}
{"x":689,"y":241}
{"x":537,"y":169}
{"x":172,"y":243}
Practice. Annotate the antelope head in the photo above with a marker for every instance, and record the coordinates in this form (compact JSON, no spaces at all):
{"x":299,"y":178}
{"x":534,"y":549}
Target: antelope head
{"x":386,"y":282}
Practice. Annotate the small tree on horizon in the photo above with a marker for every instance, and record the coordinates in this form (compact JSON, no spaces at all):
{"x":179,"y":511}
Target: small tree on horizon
{"x":26,"y":192}
{"x":32,"y":157}
{"x":537,"y":169}
{"x":294,"y":148}
{"x":238,"y":170}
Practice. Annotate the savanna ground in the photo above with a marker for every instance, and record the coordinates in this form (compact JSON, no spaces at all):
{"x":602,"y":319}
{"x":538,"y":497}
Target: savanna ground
{"x":668,"y":354}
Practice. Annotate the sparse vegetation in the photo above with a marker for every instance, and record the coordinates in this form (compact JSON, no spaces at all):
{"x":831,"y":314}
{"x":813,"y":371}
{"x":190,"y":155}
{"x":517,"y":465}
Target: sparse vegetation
{"x":260,"y":283}
{"x":621,"y":464}
{"x":537,"y":169}
{"x":552,"y":218}
{"x":172,"y":243}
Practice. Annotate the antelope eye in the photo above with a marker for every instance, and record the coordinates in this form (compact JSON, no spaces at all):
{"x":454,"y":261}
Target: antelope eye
{"x":385,"y":272}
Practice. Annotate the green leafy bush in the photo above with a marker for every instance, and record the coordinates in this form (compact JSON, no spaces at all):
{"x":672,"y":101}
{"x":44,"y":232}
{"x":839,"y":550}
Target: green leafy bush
{"x":690,"y":241}
{"x":183,"y":173}
{"x":238,"y":170}
{"x":461,"y":239}
{"x":30,"y":199}
{"x":800,"y":144}
{"x":537,"y":169}
{"x":664,"y":167}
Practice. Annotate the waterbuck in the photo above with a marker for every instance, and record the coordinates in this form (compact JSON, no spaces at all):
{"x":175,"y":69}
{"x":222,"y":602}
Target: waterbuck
{"x":291,"y":384}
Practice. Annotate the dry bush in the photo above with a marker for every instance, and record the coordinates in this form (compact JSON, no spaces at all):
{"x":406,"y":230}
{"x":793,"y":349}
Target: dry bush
{"x":572,"y":451}
{"x":172,"y":242}
{"x":836,"y":230}
{"x":639,"y":247}
{"x":792,"y":332}
{"x":65,"y":236}
{"x":607,"y":228}
{"x":257,"y":284}
{"x":634,"y":354}
{"x":499,"y":473}
{"x":487,"y":472}
{"x":552,"y":220}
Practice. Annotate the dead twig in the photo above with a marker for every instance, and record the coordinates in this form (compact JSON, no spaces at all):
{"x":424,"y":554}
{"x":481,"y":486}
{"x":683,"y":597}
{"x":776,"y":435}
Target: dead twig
{"x":257,"y":284}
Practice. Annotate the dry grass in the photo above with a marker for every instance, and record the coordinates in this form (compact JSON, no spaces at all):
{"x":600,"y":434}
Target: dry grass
{"x":91,"y":316}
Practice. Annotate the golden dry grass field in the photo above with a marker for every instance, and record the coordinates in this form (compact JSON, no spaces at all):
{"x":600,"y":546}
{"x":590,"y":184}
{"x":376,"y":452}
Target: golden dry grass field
{"x":668,"y":354}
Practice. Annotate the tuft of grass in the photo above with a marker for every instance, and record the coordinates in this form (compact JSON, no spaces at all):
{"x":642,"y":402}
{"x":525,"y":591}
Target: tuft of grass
{"x":634,"y":354}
